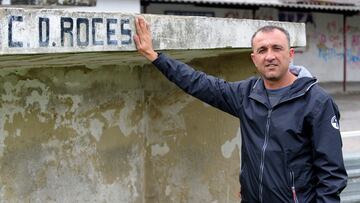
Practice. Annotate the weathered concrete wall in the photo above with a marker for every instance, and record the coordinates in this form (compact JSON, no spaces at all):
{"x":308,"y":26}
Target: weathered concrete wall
{"x":107,"y":126}
{"x":71,"y":135}
{"x":194,"y":147}
{"x":114,"y":133}
{"x":56,"y":145}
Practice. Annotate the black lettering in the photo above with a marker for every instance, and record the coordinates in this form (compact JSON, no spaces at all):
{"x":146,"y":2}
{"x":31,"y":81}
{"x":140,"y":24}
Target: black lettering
{"x":282,"y":17}
{"x":299,"y":17}
{"x":93,"y":31}
{"x":68,"y":30}
{"x":42,"y":42}
{"x":84,"y":21}
{"x":12,"y":43}
{"x":310,"y":19}
{"x":291,"y":17}
{"x":126,"y":32}
{"x":110,"y":32}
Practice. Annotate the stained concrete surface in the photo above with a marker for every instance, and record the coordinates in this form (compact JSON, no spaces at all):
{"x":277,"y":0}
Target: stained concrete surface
{"x":116,"y":133}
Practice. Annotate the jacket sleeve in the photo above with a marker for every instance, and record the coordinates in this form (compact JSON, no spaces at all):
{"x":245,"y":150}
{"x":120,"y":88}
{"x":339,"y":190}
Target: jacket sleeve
{"x":219,"y":93}
{"x":328,"y":158}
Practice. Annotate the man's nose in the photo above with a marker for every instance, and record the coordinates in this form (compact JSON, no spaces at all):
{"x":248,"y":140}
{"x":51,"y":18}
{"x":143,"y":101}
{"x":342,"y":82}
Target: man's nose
{"x":269,"y":56}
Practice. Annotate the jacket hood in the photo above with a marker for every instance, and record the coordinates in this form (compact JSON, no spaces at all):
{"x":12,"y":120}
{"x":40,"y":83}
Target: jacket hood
{"x":300,"y":71}
{"x":298,"y":88}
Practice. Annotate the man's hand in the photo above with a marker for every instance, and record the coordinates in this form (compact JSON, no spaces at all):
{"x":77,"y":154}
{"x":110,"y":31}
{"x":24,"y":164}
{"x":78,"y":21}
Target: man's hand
{"x":143,"y":39}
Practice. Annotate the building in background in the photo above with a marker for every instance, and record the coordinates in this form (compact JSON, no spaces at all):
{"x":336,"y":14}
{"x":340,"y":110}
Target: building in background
{"x":333,"y":28}
{"x":128,"y":6}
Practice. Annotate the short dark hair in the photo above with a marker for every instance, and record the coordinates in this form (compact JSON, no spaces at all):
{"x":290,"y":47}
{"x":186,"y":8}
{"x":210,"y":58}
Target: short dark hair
{"x":270,"y":28}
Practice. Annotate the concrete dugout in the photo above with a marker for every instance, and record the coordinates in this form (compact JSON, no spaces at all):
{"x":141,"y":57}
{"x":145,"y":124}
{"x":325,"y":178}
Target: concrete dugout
{"x":85,"y":119}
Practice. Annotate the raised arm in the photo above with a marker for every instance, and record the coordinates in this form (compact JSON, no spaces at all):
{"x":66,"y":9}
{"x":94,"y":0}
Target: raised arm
{"x":219,"y":93}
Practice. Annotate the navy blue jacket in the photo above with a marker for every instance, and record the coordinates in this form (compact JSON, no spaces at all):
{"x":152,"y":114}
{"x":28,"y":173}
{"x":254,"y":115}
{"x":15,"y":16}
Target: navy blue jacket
{"x":290,"y":152}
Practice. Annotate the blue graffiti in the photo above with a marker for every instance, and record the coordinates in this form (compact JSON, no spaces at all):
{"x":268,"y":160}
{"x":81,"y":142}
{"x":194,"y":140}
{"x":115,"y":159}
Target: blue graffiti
{"x":327,"y":54}
{"x":353,"y":58}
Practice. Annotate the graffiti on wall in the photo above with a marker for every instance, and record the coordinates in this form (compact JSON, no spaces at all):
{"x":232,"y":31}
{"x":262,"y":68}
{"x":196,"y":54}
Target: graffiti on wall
{"x":330,"y":45}
{"x":329,"y":41}
{"x":332,"y":37}
{"x":353,"y":53}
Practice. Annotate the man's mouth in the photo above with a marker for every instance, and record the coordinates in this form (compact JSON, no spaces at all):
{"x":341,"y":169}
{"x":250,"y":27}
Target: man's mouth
{"x":271,"y":65}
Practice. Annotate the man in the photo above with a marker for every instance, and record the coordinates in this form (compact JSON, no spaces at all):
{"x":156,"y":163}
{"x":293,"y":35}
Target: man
{"x":291,"y":143}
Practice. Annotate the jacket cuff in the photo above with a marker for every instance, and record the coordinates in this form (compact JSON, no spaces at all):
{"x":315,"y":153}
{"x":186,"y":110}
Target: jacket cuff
{"x":158,"y":59}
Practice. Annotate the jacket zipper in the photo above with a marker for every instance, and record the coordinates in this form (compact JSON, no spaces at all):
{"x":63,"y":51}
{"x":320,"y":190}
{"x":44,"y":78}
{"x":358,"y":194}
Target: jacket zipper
{"x":262,"y":163}
{"x":293,"y":189}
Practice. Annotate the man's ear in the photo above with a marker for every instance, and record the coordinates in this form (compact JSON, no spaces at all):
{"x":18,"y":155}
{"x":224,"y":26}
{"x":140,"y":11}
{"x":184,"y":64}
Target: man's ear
{"x":252,"y":55}
{"x":292,"y":52}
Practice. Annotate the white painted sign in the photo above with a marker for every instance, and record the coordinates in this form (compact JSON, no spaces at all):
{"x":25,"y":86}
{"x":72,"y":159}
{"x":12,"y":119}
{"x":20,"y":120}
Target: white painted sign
{"x":41,"y":31}
{"x":26,"y":31}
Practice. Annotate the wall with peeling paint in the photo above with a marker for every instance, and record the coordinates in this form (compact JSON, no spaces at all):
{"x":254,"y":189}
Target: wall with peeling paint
{"x":71,"y":135}
{"x":196,"y":156}
{"x":115,"y":133}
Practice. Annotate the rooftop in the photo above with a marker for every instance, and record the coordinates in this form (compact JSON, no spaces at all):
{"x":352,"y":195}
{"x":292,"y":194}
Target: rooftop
{"x":331,"y":5}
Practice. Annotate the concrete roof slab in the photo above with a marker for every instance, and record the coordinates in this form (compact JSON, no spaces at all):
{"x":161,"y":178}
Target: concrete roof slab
{"x":41,"y":31}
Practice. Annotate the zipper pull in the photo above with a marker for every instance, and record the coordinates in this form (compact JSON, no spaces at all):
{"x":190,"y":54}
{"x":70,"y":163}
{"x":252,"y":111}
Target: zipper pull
{"x":294,"y":194}
{"x":293,"y":189}
{"x":269,"y":113}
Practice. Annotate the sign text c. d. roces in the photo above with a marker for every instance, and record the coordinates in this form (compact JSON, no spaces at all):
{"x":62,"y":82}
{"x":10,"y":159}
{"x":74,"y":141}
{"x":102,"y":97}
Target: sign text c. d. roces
{"x":57,"y":30}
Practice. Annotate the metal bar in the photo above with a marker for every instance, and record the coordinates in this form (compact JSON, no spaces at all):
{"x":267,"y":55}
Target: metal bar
{"x":345,"y":52}
{"x":349,"y":134}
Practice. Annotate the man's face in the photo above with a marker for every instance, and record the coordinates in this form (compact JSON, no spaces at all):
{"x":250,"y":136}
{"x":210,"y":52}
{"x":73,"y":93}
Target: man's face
{"x":272,"y":55}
